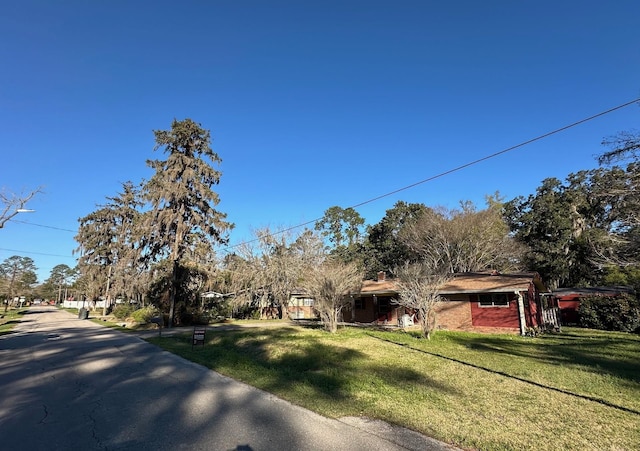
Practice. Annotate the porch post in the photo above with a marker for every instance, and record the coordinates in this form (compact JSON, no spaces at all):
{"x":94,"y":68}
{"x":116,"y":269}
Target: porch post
{"x":521,"y":317}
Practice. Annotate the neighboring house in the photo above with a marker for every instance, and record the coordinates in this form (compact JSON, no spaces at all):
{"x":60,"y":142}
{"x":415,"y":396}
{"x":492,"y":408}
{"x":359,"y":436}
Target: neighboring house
{"x":301,"y":306}
{"x":568,"y":299}
{"x":481,"y":301}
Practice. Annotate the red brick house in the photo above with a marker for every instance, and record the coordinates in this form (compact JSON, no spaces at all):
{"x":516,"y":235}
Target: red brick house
{"x":481,"y":301}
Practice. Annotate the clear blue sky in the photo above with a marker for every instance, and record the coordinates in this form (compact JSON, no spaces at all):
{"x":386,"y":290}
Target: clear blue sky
{"x":310,"y":103}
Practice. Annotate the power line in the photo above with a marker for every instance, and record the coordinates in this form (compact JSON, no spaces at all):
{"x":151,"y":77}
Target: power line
{"x":36,"y":253}
{"x":456,"y":169}
{"x":45,"y":226}
{"x":390,"y":193}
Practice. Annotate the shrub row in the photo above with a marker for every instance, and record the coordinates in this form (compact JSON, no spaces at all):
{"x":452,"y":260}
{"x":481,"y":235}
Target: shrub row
{"x":620,"y":313}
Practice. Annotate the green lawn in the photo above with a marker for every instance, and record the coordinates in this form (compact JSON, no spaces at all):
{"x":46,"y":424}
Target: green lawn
{"x":9,"y":319}
{"x":575,"y":390}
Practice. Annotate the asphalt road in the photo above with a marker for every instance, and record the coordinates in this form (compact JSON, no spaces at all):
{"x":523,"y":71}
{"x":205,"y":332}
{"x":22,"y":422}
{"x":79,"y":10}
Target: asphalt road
{"x":70,"y":384}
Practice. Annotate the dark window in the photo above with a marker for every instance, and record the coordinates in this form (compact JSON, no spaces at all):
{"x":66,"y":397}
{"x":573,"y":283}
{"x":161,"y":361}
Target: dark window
{"x":493,"y":300}
{"x":358,"y":303}
{"x":383,"y":305}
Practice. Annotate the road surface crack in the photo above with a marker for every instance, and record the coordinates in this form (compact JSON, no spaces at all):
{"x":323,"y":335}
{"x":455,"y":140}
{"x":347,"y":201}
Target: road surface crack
{"x":46,"y":414}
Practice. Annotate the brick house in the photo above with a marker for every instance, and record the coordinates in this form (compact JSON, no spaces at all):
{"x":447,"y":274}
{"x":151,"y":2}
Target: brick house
{"x":301,"y":306}
{"x":480,"y":301}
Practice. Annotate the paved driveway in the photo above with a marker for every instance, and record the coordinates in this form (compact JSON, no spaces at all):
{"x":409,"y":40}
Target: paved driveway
{"x":70,"y":384}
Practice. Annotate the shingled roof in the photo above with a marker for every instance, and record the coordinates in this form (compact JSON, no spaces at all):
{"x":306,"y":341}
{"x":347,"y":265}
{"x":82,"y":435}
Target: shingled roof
{"x":473,"y":282}
{"x":492,"y":282}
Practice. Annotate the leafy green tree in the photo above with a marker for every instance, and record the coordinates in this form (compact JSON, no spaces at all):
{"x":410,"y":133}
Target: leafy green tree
{"x":185,"y":283}
{"x":342,"y":228}
{"x":18,"y":275}
{"x":46,"y":290}
{"x":578,"y":230}
{"x":623,"y":276}
{"x":60,"y":276}
{"x":110,"y":248}
{"x":182,"y":203}
{"x":383,"y":247}
{"x":544,"y":223}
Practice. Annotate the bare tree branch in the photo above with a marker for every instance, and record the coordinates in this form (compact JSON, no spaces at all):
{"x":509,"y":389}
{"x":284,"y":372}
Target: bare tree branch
{"x":419,"y":289}
{"x":12,"y":204}
{"x":330,"y":284}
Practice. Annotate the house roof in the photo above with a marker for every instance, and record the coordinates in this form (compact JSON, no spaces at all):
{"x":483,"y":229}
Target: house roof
{"x":477,"y":282}
{"x":386,"y":286}
{"x":568,"y":293}
{"x":492,"y":282}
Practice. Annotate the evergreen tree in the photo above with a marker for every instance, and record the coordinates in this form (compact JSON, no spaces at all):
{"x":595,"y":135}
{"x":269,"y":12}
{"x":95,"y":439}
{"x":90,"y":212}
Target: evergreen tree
{"x":182,"y":203}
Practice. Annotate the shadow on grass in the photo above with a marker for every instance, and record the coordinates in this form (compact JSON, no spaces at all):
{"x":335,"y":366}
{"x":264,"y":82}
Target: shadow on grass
{"x":492,"y":344}
{"x":617,"y":356}
{"x":282,"y":360}
{"x":249,"y":355}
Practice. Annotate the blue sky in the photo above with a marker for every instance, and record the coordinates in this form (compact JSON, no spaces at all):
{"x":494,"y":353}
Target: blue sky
{"x":310,"y":104}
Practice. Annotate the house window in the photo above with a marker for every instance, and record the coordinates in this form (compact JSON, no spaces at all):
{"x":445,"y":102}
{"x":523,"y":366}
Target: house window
{"x":493,"y":300}
{"x":383,"y":305}
{"x":308,"y":302}
{"x":358,"y":303}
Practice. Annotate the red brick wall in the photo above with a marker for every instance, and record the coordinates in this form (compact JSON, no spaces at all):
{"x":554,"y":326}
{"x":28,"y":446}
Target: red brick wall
{"x":454,"y":314}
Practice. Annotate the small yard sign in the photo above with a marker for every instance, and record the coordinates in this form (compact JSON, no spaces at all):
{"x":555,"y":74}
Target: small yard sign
{"x":198,"y":336}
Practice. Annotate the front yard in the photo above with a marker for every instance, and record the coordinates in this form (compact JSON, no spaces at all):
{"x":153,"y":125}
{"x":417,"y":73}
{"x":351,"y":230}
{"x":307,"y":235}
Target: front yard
{"x":576,"y":390}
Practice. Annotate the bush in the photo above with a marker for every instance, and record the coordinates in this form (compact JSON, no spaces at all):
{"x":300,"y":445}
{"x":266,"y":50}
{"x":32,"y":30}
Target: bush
{"x":219,"y":309}
{"x":144,"y":314}
{"x":620,"y":313}
{"x":122,"y":311}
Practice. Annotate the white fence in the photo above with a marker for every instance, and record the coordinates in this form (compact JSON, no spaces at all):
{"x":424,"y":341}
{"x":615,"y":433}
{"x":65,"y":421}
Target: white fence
{"x":86,"y":304}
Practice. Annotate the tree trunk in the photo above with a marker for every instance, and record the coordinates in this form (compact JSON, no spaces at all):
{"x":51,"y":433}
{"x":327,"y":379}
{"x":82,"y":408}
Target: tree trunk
{"x":172,"y":293}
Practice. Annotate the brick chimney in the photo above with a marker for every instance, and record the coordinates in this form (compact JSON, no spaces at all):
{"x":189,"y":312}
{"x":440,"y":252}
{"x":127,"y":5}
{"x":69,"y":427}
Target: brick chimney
{"x":381,"y":276}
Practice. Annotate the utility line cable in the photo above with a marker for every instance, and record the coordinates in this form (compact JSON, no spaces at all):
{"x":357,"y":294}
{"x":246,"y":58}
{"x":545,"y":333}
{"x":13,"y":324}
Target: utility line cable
{"x":41,"y":225}
{"x":404,"y":188}
{"x":456,"y":169}
{"x":36,"y":253}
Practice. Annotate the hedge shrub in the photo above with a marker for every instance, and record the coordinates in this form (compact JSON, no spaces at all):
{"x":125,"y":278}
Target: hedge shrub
{"x":620,"y":313}
{"x":122,"y":311}
{"x":144,"y":314}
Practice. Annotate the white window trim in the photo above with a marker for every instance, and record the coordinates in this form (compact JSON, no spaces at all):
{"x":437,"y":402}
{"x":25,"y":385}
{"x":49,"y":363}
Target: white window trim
{"x":493,"y":305}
